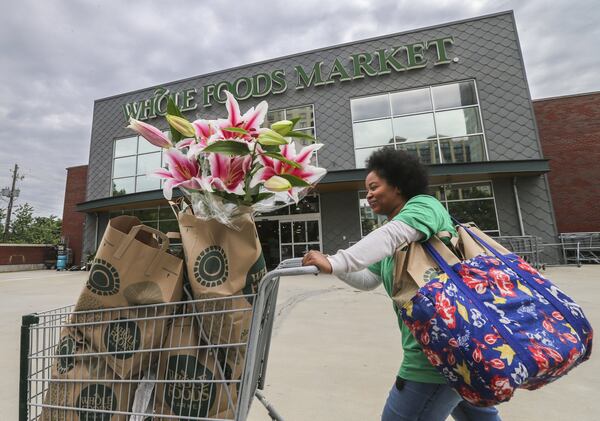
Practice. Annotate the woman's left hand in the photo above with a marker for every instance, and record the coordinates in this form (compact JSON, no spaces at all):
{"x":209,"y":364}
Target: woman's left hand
{"x":318,"y":259}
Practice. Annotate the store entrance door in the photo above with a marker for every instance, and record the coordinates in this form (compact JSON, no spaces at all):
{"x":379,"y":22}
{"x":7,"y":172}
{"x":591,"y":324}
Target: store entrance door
{"x":268,"y":233}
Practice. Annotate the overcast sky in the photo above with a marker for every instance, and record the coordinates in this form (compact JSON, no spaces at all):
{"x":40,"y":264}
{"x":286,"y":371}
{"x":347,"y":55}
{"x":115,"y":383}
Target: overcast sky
{"x":58,"y":56}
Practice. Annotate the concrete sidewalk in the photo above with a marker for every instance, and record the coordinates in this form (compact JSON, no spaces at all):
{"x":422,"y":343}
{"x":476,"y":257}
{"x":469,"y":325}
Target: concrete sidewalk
{"x":334,"y":352}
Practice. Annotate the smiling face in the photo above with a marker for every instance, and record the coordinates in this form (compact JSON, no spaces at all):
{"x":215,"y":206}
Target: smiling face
{"x":383,"y":198}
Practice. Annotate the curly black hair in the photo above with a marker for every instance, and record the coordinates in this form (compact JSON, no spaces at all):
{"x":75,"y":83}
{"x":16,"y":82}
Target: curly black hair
{"x":400,"y":170}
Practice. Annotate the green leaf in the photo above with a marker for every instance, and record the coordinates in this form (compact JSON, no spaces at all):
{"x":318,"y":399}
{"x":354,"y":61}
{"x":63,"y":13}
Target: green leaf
{"x":295,"y":121}
{"x":295,"y":181}
{"x":270,"y":148}
{"x":300,"y":135}
{"x":279,"y":157}
{"x":228,"y":147}
{"x":236,"y":130}
{"x":173,"y":109}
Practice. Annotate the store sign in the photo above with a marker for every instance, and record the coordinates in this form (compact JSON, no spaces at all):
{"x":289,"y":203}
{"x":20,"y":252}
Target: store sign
{"x":358,"y":66}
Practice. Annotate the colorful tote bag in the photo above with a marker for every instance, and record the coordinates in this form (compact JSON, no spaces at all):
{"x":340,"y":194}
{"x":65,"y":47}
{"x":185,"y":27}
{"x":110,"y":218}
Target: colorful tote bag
{"x":492,"y":324}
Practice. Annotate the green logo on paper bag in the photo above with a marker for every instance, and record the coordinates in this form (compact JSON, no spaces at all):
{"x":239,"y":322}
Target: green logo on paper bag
{"x":66,"y":346}
{"x":122,"y":336}
{"x":192,"y":399}
{"x":96,"y":398}
{"x":104,"y":278}
{"x":431,"y":273}
{"x":211,"y":268}
{"x":255,"y":274}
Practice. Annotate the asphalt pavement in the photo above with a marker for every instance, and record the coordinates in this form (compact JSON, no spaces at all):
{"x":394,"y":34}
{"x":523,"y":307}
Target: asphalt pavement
{"x":334,"y":352}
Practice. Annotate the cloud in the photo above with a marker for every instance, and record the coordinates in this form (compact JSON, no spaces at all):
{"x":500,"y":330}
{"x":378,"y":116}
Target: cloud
{"x":59,"y":56}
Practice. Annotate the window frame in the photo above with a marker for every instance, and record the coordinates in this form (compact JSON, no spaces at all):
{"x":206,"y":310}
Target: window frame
{"x":432,"y":112}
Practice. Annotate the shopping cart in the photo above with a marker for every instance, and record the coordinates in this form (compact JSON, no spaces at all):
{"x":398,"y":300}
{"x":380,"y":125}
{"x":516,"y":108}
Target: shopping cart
{"x":175,"y":361}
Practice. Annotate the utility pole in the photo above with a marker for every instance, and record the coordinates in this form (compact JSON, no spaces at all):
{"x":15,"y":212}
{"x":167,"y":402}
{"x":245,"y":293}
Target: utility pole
{"x":11,"y":194}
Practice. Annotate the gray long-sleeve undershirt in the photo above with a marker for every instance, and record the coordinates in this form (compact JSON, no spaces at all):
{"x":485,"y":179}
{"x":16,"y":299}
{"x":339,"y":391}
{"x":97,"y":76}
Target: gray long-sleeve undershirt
{"x":350,"y":265}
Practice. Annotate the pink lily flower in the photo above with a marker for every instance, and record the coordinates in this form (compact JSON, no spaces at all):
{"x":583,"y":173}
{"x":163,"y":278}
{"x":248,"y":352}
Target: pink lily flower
{"x":250,"y":121}
{"x":180,"y":171}
{"x":150,"y":133}
{"x":274,"y":167}
{"x":227,"y":173}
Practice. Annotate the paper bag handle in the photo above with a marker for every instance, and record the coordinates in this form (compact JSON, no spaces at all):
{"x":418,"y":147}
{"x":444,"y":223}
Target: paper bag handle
{"x":164,"y":245}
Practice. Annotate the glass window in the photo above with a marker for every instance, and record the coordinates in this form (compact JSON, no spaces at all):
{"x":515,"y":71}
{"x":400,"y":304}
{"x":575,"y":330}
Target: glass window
{"x":299,"y":250}
{"x":121,"y":186}
{"x":458,"y":122}
{"x":373,"y":133}
{"x":124,"y":147}
{"x":165,"y":212}
{"x":147,"y":163}
{"x":482,"y":212}
{"x":146,"y":183}
{"x":305,"y":114}
{"x":312,"y":231}
{"x":361,"y":155}
{"x":299,"y":232}
{"x":286,"y":232}
{"x":146,"y":147}
{"x":273,"y":116}
{"x":124,"y":167}
{"x":413,"y":127}
{"x":413,"y":101}
{"x":470,"y":202}
{"x":168,"y":226}
{"x":310,"y":204}
{"x":463,"y":149}
{"x":370,"y":107}
{"x":286,"y":252}
{"x":426,"y":151}
{"x":458,"y":133}
{"x":455,"y":95}
{"x":144,"y":215}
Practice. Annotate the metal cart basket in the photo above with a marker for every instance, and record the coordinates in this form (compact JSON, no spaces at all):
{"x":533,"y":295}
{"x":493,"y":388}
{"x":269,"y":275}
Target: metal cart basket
{"x":191,"y":360}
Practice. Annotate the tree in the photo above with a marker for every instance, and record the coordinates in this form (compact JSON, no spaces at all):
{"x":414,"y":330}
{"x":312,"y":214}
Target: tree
{"x":19,"y":227}
{"x":27,"y":229}
{"x":2,"y":217}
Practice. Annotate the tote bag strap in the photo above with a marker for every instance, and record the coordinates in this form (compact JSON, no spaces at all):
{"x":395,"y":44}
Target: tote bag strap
{"x":164,"y":245}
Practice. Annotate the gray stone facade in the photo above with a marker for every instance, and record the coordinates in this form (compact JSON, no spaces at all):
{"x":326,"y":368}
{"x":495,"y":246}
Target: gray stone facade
{"x":485,"y":49}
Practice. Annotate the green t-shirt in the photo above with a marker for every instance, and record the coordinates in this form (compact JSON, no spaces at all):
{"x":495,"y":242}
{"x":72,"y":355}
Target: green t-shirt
{"x":427,"y":215}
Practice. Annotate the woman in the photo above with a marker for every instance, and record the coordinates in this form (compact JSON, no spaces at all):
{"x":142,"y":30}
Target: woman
{"x":397,"y":188}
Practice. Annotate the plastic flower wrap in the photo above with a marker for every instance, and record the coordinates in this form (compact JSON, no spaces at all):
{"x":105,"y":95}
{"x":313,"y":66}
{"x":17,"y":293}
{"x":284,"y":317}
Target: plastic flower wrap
{"x":230,"y":166}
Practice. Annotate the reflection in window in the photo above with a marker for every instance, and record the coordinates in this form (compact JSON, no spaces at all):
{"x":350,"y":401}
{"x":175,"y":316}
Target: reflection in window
{"x":370,"y":107}
{"x":470,"y":202}
{"x":450,"y":124}
{"x":134,"y":160}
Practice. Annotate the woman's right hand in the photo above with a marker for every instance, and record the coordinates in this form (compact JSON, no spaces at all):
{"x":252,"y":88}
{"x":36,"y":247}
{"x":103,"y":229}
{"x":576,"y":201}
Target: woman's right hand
{"x":318,"y":259}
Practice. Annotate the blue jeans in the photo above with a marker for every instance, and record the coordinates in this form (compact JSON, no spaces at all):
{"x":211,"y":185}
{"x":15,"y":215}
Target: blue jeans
{"x":414,"y":401}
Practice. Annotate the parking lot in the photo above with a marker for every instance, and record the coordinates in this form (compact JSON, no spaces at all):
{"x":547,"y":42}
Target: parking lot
{"x":334,"y":353}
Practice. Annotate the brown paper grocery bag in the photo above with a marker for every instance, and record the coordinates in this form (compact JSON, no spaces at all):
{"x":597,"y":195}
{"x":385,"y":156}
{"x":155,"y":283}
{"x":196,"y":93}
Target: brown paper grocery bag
{"x":131,"y":336}
{"x":471,"y":248}
{"x":185,"y":374}
{"x":93,"y":394}
{"x":414,"y":267}
{"x":220,"y":260}
{"x":131,"y":268}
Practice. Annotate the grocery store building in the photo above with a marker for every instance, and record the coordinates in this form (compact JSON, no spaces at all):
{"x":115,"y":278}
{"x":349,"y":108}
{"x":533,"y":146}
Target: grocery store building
{"x":454,"y":94}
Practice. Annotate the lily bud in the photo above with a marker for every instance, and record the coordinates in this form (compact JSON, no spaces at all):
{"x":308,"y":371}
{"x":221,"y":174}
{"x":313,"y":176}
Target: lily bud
{"x":277,"y":184}
{"x":270,"y":137}
{"x":150,"y":133}
{"x":282,"y":127}
{"x":181,"y":125}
